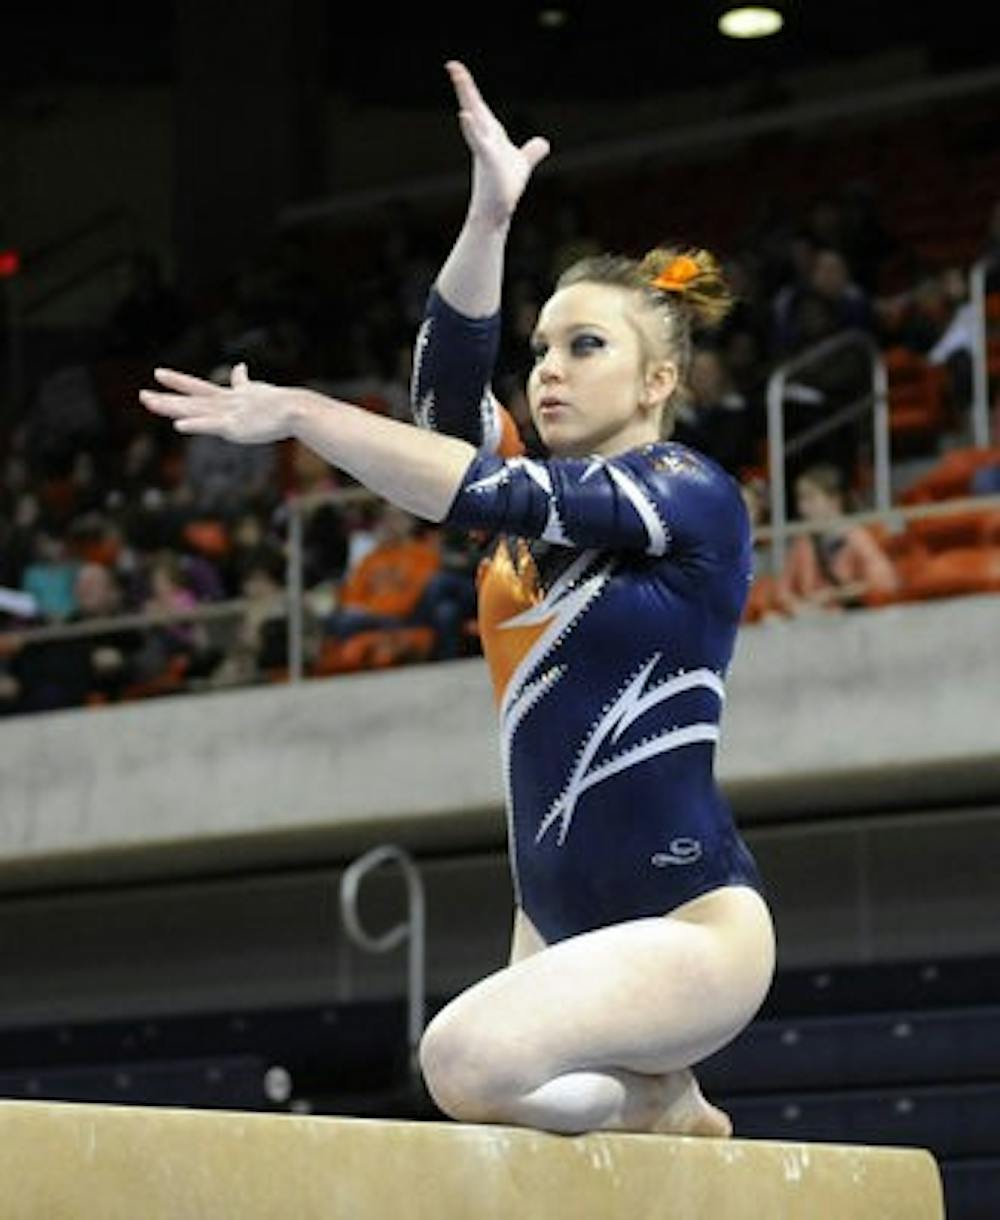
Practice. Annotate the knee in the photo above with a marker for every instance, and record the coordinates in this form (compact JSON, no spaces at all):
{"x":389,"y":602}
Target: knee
{"x":459,"y":1071}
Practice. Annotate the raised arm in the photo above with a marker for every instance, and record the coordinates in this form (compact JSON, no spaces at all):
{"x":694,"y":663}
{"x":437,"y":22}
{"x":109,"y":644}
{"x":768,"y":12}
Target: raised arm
{"x":470,"y":280}
{"x":457,"y":344}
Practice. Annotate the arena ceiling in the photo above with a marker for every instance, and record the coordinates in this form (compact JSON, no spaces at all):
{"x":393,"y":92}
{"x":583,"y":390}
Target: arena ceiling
{"x":380,"y":54}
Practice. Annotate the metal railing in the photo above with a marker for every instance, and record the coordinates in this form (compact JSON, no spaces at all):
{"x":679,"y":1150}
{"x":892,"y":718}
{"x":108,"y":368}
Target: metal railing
{"x":893,"y":517}
{"x":413,"y":932}
{"x":779,"y":450}
{"x":980,"y":350}
{"x":294,"y":603}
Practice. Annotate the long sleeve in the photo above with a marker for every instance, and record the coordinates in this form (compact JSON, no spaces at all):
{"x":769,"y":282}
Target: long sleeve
{"x":453,"y":363}
{"x":662,"y":499}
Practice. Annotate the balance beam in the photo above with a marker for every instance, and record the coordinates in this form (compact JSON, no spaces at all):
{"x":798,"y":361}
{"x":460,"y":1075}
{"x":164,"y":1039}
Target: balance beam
{"x":93,"y":1162}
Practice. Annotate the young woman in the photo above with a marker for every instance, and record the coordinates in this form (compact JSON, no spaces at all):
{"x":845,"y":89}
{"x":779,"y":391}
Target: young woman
{"x":836,"y":567}
{"x":608,"y":612}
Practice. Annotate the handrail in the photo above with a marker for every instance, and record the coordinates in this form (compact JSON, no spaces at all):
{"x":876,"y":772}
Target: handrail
{"x":980,"y":350}
{"x":892,"y":516}
{"x":412,"y":931}
{"x":777,"y":452}
{"x":237,"y":606}
{"x":138,"y":621}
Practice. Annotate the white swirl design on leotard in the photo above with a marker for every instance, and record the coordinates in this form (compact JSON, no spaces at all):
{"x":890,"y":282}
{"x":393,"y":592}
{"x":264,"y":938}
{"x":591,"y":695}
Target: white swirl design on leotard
{"x":633,"y":701}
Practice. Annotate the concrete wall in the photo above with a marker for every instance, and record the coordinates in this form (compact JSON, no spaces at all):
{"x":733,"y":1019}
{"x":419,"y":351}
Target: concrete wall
{"x":185,"y":855}
{"x":897,"y":706}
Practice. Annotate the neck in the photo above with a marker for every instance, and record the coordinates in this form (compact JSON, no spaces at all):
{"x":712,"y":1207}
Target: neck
{"x":612,"y":446}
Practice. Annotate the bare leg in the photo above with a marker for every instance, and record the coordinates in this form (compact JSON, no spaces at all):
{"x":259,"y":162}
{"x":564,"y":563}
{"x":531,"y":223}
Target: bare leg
{"x":600,"y":1031}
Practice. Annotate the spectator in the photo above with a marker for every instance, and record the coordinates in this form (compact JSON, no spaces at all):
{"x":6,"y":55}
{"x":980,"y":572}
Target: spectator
{"x":261,"y":646}
{"x":831,"y":279}
{"x":65,"y":673}
{"x":716,"y":418}
{"x":833,"y":381}
{"x":183,"y":647}
{"x":386,"y":587}
{"x":448,"y":602}
{"x":828,"y":278}
{"x":835,"y":567}
{"x":51,"y":577}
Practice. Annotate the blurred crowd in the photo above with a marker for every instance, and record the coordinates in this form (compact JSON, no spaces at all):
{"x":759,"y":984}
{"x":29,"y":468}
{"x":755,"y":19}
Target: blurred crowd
{"x":106,"y":512}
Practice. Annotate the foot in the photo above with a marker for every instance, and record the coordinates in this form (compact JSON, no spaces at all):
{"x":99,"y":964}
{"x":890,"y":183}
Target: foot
{"x":685,"y":1110}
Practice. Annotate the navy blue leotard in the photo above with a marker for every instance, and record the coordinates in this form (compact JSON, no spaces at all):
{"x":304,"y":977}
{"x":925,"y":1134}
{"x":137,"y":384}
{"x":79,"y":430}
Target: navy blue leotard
{"x":608,"y":614}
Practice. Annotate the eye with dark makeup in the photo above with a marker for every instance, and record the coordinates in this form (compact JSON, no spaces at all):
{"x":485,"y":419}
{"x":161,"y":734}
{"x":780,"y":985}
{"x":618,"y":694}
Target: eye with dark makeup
{"x":584,"y":344}
{"x":580,"y":345}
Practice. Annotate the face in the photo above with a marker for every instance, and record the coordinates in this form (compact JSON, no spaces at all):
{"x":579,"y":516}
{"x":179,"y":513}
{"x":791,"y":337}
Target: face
{"x":593,"y":387}
{"x":814,"y":503}
{"x":395,"y":525}
{"x":96,"y":592}
{"x":830,"y":276}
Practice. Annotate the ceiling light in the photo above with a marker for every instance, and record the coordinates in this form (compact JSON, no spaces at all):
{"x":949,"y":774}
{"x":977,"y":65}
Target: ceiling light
{"x":751,"y":21}
{"x":552,"y":18}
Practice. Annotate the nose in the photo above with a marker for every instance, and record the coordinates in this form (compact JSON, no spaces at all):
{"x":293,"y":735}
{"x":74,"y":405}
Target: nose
{"x":549,"y":368}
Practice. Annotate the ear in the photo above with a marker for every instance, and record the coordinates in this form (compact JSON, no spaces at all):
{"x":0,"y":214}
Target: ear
{"x":659,"y":382}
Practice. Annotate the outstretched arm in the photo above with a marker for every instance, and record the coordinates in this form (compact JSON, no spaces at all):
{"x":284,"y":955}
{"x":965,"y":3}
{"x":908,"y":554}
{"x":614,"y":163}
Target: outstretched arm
{"x":420,"y":471}
{"x":456,"y":347}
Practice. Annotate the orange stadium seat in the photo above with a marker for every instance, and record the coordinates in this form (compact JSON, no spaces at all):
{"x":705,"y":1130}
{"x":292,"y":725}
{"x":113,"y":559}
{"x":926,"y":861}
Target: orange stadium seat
{"x":378,"y":649}
{"x":964,"y":529}
{"x":954,"y":573}
{"x":951,"y":477}
{"x":919,"y":403}
{"x":761,"y":600}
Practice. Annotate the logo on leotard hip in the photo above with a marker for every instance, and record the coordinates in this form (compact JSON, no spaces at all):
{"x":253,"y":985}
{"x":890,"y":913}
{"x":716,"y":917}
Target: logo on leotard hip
{"x":682,"y":851}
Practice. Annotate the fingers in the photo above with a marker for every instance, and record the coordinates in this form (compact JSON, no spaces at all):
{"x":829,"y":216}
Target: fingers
{"x":184,"y":383}
{"x":175,"y":406}
{"x":239,"y":377}
{"x":536,"y":150}
{"x":469,"y":97}
{"x":204,"y":425}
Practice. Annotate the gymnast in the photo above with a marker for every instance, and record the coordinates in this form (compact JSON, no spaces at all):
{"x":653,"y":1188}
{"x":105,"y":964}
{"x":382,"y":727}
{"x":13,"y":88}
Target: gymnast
{"x":609,"y":603}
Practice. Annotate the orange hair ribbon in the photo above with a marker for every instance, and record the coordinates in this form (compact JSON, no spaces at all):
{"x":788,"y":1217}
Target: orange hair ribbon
{"x":677,"y":274}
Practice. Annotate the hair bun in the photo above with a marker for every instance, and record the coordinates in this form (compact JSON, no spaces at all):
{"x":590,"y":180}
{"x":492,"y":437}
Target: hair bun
{"x":694,"y":277}
{"x":677,"y":274}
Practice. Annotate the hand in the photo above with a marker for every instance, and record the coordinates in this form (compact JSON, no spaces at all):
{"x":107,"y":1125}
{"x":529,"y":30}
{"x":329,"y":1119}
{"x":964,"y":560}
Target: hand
{"x":500,"y":170}
{"x":245,"y":411}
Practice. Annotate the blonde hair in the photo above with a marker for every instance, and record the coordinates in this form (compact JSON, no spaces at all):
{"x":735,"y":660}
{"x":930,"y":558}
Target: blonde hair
{"x":693,"y":298}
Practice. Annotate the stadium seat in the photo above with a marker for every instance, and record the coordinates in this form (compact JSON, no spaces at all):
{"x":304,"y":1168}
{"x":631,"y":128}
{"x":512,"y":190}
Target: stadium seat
{"x":919,"y":403}
{"x":379,"y":649}
{"x":951,"y":477}
{"x":954,"y":573}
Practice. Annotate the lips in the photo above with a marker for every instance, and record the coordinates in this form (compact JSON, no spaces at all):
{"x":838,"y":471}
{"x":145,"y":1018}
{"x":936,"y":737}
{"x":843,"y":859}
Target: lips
{"x":551,"y":404}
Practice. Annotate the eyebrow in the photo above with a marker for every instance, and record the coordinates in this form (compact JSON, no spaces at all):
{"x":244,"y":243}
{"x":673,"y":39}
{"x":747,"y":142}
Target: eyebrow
{"x":540,"y":334}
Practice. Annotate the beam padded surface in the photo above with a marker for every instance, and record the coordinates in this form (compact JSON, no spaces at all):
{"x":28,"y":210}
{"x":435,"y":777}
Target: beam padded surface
{"x":88,"y":1162}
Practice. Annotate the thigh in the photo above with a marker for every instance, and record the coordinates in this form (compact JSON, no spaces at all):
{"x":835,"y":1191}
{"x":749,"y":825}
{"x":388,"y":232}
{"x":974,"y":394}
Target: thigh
{"x":650,"y":995}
